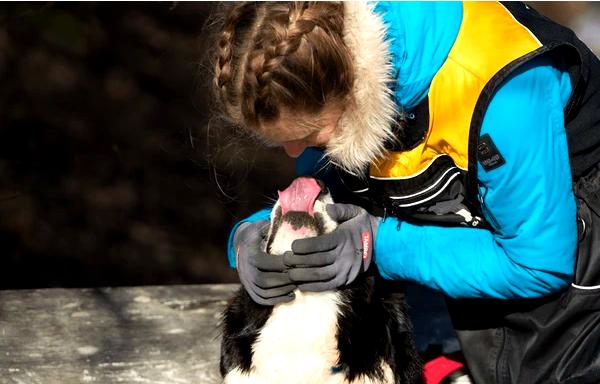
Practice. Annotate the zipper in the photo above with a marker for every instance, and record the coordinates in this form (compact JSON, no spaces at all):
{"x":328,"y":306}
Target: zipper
{"x":486,"y":212}
{"x":501,"y":372}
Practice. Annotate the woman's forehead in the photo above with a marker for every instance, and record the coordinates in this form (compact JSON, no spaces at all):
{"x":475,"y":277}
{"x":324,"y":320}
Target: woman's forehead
{"x":281,"y":131}
{"x":294,"y":125}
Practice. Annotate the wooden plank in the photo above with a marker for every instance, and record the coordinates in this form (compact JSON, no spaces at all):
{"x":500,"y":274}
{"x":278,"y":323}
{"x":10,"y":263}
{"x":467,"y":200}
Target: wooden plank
{"x":160,"y":335}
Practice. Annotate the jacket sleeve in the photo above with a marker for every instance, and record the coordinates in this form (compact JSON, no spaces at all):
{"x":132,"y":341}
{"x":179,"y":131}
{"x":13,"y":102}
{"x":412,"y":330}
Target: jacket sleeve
{"x":529,"y":201}
{"x":263,"y":214}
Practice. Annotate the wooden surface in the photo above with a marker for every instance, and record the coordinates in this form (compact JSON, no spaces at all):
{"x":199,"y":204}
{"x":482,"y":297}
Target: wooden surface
{"x":161,"y":335}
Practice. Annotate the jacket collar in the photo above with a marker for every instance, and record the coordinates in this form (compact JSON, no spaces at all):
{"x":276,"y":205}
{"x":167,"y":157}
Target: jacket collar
{"x":366,"y":124}
{"x":383,"y":54}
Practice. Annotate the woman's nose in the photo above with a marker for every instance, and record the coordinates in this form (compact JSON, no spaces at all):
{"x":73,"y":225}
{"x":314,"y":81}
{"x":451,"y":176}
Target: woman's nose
{"x":294,"y":148}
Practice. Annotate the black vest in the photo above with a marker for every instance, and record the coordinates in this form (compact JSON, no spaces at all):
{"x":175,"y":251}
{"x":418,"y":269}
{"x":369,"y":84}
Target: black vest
{"x":555,"y":339}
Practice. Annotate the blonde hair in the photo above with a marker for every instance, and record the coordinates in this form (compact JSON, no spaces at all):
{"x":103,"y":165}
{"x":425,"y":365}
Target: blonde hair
{"x":276,"y":55}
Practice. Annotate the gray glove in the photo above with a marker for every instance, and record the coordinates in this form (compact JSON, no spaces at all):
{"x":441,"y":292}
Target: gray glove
{"x":263,"y":276}
{"x":329,"y":261}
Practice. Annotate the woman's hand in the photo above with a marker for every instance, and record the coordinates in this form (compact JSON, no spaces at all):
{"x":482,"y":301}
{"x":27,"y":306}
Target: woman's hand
{"x":263,"y":276}
{"x":335,"y":259}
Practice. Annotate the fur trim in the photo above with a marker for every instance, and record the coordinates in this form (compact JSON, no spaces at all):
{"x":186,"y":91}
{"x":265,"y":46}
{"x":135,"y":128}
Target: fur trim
{"x":366,"y":124}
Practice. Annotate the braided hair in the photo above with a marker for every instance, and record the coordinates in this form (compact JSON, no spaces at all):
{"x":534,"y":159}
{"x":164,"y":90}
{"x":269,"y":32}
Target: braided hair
{"x":275,"y":55}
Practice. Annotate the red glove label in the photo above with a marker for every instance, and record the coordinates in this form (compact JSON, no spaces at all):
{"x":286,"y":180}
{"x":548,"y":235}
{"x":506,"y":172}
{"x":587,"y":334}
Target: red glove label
{"x":366,"y":244}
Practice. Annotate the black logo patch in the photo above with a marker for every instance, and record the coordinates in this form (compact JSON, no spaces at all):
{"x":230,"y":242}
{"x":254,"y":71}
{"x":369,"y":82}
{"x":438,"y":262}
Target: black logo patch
{"x":489,"y":156}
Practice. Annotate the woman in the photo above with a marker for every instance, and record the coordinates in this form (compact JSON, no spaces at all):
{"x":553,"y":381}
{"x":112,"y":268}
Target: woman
{"x":455,"y":131}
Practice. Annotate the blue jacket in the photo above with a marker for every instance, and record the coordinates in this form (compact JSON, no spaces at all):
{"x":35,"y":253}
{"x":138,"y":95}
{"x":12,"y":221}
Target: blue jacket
{"x":529,"y":200}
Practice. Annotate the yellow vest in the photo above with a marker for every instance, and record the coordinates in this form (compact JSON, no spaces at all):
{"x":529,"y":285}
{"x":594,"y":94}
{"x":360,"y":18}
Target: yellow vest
{"x":489,"y":39}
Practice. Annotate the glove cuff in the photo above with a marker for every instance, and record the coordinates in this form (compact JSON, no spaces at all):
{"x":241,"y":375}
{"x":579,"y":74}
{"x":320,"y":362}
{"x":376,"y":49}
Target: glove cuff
{"x":263,"y":214}
{"x":371,"y":238}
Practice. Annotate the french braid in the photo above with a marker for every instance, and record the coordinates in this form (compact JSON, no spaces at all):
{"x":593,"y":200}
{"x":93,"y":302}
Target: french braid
{"x":291,"y":53}
{"x":280,"y":38}
{"x":223,"y":66}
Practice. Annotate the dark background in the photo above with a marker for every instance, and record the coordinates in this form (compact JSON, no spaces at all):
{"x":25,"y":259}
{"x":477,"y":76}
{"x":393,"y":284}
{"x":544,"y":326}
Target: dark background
{"x":112,"y":169}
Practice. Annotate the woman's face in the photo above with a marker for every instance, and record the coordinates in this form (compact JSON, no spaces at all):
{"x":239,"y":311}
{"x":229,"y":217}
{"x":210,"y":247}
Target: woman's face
{"x":296,"y":131}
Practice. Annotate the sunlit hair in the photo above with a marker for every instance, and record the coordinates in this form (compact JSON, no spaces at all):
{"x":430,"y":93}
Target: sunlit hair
{"x":274,"y":55}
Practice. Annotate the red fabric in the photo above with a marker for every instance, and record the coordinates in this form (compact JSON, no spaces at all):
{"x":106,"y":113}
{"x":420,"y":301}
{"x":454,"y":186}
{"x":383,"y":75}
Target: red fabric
{"x":436,"y":370}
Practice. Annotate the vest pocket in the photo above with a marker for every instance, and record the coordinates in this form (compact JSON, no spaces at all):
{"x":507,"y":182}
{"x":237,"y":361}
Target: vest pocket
{"x":578,"y":331}
{"x":587,"y":271}
{"x":580,"y":305}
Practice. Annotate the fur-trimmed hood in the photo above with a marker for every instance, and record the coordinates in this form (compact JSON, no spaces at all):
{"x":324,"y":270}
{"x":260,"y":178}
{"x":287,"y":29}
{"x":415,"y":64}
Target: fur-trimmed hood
{"x":395,"y":45}
{"x":367,"y":122}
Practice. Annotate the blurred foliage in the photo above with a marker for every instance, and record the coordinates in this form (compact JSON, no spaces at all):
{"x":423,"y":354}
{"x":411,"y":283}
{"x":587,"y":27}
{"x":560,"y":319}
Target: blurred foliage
{"x":581,"y":16}
{"x":112,"y":171}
